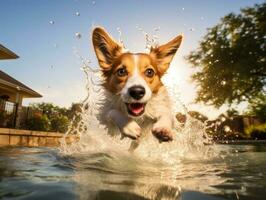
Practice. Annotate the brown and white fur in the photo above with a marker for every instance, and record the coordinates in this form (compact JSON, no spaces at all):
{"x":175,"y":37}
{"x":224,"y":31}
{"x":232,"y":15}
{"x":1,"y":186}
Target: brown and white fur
{"x":137,"y":102}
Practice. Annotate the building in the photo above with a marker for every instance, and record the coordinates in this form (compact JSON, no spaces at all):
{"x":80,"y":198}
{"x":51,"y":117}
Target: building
{"x":12,"y":92}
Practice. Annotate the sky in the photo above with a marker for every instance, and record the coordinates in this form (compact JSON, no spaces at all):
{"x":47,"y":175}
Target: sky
{"x":43,"y":34}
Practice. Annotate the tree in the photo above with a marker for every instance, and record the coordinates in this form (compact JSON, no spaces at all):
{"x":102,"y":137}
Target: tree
{"x":197,"y":115}
{"x":257,"y":107}
{"x":231,"y":59}
{"x":38,"y":123}
{"x":50,"y":117}
{"x":59,"y":123}
{"x":49,"y":109}
{"x":231,"y":112}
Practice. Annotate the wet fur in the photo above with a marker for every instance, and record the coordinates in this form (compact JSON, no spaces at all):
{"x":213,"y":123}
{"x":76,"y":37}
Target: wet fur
{"x":157,"y":117}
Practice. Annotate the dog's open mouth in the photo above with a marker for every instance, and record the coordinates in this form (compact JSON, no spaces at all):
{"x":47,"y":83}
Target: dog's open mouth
{"x":135,"y":109}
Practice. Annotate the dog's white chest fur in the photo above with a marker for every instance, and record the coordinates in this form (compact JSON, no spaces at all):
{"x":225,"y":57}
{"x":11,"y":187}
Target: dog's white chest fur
{"x":159,"y":105}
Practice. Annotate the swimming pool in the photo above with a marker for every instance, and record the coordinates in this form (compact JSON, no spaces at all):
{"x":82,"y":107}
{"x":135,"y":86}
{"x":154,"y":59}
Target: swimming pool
{"x":45,"y":173}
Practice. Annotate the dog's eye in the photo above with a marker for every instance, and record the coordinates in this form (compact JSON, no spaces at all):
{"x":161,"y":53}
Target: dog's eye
{"x":121,"y":72}
{"x":149,"y":72}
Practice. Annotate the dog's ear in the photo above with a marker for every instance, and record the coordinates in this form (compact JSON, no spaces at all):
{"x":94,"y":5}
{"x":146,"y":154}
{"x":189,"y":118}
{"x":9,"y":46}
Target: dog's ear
{"x":105,"y":47}
{"x":163,"y":54}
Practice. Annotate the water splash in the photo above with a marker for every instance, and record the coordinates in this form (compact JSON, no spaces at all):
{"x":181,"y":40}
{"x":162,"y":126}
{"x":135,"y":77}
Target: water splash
{"x":120,"y":39}
{"x":190,"y":139}
{"x":78,"y":35}
{"x":223,"y":83}
{"x":227,"y":128}
{"x":151,"y":40}
{"x":154,"y":170}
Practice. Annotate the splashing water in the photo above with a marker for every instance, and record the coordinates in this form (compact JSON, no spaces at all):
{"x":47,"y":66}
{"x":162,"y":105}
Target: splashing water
{"x":153,"y":170}
{"x":150,"y":40}
{"x":120,"y":39}
{"x":189,"y":141}
{"x":78,"y":35}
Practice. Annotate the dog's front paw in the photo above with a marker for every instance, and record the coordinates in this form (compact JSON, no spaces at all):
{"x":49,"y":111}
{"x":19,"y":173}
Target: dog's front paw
{"x":131,"y":130}
{"x":163,"y":134}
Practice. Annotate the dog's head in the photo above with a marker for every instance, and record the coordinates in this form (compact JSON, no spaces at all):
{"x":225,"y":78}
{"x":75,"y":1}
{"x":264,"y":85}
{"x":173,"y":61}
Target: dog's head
{"x":135,"y":77}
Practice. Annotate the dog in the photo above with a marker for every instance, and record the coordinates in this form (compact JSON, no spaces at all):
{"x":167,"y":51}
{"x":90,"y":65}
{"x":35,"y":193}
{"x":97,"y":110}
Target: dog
{"x":136,"y":101}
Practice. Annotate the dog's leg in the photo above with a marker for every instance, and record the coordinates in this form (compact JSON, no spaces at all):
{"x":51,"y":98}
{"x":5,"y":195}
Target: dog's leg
{"x":162,"y":129}
{"x":127,"y":127}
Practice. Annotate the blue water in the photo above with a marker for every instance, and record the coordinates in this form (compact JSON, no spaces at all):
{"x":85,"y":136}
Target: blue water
{"x":44,"y":173}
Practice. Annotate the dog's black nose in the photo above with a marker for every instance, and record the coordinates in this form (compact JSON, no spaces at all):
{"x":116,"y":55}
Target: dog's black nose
{"x":137,"y":92}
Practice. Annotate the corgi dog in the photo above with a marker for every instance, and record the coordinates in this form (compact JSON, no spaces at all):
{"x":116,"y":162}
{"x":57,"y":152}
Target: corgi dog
{"x":136,"y":101}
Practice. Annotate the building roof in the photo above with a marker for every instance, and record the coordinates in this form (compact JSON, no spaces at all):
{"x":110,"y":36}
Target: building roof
{"x":5,"y":53}
{"x":9,"y":81}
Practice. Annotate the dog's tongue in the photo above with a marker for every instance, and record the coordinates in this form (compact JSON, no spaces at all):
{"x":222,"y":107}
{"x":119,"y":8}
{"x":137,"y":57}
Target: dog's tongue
{"x":136,"y":108}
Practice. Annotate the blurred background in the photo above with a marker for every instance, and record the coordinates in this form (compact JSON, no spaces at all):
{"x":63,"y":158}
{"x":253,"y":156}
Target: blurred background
{"x":219,"y":70}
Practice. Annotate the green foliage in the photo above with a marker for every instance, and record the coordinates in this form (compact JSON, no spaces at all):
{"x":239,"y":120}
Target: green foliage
{"x":231,"y":112}
{"x":49,"y":109}
{"x":256,"y":131}
{"x":257,"y":107}
{"x":231,"y":59}
{"x":59,"y":123}
{"x":53,"y":118}
{"x":38,"y":123}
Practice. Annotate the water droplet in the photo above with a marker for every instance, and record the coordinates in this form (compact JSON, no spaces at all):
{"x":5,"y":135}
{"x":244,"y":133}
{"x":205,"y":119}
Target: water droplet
{"x":223,"y":119}
{"x":243,"y":97}
{"x":51,"y":22}
{"x":218,"y":123}
{"x":183,"y":9}
{"x":77,"y":14}
{"x":120,"y":38}
{"x":227,"y":129}
{"x":139,"y":28}
{"x":157,"y":29}
{"x":192,"y":29}
{"x":243,"y":188}
{"x":223,"y":83}
{"x":78,"y":35}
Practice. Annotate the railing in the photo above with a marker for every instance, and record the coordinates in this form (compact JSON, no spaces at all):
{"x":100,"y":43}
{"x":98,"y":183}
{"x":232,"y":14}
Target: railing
{"x":8,"y":114}
{"x":13,"y":117}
